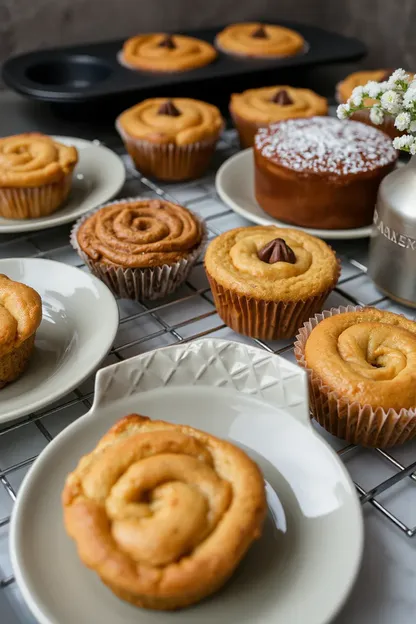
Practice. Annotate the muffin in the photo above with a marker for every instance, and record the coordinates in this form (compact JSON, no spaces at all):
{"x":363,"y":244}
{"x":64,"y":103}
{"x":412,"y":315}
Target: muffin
{"x":266,"y":281}
{"x":20,"y":317}
{"x":321,"y":172}
{"x":259,"y":40}
{"x":35,"y":175}
{"x":361,"y":364}
{"x":256,"y":108}
{"x":171,"y":140}
{"x":142,"y":249}
{"x":163,"y":513}
{"x":158,"y":52}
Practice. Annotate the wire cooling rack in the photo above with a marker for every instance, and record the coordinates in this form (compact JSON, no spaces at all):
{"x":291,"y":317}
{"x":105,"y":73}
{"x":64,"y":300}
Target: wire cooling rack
{"x":385,"y":481}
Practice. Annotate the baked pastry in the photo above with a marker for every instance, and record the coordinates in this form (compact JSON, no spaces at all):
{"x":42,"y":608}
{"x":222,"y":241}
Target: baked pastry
{"x":162,"y":512}
{"x":142,"y":249}
{"x":20,"y":317}
{"x":266,"y":281}
{"x":259,"y":40}
{"x":321,"y":172}
{"x":171,"y":139}
{"x":35,"y":175}
{"x":159,"y":52}
{"x":361,"y":364}
{"x":256,"y":108}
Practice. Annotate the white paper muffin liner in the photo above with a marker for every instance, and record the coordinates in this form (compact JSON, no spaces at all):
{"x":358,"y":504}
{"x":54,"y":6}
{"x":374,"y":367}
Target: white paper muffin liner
{"x":34,"y":202}
{"x":353,"y":422}
{"x":140,"y":283}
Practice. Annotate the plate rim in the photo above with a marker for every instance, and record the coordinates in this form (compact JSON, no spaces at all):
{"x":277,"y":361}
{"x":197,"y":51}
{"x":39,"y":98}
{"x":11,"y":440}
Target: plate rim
{"x":94,"y":413}
{"x":112,"y":308}
{"x":233,"y":161}
{"x":54,"y":220}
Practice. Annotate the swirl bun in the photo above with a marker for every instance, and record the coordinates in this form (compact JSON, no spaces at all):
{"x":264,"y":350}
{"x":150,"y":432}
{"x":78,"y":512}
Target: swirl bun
{"x":259,"y":40}
{"x":163,"y":513}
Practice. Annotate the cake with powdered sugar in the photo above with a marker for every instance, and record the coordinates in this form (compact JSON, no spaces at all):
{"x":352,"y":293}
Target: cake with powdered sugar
{"x":321,"y":172}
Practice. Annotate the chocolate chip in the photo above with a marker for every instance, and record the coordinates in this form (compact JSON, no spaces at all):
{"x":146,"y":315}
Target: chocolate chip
{"x":259,"y":33}
{"x":169,"y":108}
{"x":167,"y":42}
{"x":277,"y":251}
{"x":282,"y":97}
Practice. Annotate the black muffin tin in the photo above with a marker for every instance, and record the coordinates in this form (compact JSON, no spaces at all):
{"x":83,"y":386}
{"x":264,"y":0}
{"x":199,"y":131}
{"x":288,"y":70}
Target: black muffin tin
{"x":91,"y":73}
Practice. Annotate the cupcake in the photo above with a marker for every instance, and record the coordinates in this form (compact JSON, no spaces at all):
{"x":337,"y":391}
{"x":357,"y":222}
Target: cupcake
{"x":256,"y":108}
{"x":253,"y":39}
{"x":361,"y":364}
{"x":171,"y":139}
{"x":142,"y":249}
{"x":35,"y":175}
{"x":20,"y":317}
{"x":266,"y":281}
{"x":158,"y":52}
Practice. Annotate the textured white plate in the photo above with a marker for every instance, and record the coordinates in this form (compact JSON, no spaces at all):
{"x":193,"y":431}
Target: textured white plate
{"x":302,"y":568}
{"x":70,"y":343}
{"x":235,"y":185}
{"x":98,"y":176}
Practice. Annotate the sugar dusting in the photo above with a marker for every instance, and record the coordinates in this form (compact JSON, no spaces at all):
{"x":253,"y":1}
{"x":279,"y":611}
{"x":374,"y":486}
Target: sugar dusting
{"x":324,"y":144}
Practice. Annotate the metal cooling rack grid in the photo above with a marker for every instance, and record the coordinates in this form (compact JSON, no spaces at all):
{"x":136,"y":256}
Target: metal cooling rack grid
{"x":187,"y":315}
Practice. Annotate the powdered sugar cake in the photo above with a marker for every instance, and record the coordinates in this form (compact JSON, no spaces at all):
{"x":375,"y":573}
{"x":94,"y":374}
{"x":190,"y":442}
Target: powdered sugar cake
{"x":321,"y":172}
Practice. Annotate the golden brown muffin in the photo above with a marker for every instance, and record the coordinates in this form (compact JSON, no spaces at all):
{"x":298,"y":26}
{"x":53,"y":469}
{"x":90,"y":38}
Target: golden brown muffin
{"x":267,"y":281}
{"x":20,"y":317}
{"x":140,"y":248}
{"x":256,"y":108}
{"x":35,"y":175}
{"x":259,"y":40}
{"x":321,"y":172}
{"x":362,"y":372}
{"x":158,"y":52}
{"x":171,"y":139}
{"x":162,"y":512}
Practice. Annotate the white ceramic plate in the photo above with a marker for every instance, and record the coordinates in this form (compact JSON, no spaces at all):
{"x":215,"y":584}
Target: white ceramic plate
{"x":69,"y":343}
{"x":302,"y":568}
{"x":98,"y":176}
{"x":235,"y":185}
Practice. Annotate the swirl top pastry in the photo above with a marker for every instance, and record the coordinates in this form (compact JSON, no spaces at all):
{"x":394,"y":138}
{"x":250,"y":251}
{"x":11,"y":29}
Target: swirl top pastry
{"x":270,"y":104}
{"x":20,"y":314}
{"x":162,"y":512}
{"x":150,"y":120}
{"x":261,"y":40}
{"x":32,"y":159}
{"x":233,"y":258}
{"x":142,"y":233}
{"x":167,"y":53}
{"x":368,"y":356}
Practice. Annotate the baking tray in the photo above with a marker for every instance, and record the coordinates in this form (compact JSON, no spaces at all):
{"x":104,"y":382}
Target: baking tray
{"x":90,"y":72}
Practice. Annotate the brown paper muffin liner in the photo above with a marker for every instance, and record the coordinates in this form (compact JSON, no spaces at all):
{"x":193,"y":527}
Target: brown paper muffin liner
{"x":140,"y":283}
{"x":266,"y":320}
{"x":169,"y":162}
{"x":13,"y":364}
{"x":246,"y":129}
{"x":32,"y":203}
{"x":355,"y":423}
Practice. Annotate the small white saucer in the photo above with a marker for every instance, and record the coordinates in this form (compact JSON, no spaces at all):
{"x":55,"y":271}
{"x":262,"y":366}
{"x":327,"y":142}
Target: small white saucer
{"x":235,"y":185}
{"x":70,"y":343}
{"x":98,"y":176}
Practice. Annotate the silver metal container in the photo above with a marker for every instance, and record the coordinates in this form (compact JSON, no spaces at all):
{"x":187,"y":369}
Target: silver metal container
{"x":392,"y":263}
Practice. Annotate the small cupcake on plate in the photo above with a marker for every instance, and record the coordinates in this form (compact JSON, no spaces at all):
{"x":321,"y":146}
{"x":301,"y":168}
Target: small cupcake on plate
{"x":256,"y":108}
{"x":35,"y":175}
{"x":171,"y":139}
{"x":267,"y":280}
{"x":140,"y":248}
{"x":253,"y":39}
{"x":361,"y":364}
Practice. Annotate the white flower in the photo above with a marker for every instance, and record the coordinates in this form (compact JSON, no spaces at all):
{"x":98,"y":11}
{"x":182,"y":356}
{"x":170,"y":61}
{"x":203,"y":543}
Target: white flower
{"x":412,"y":148}
{"x":412,"y":126}
{"x":343,"y":111}
{"x":372,"y":89}
{"x":357,"y":96}
{"x":397,"y":75}
{"x":376,"y":115}
{"x":391,"y":102}
{"x":403,"y":142}
{"x":402,"y":121}
{"x":409,"y":98}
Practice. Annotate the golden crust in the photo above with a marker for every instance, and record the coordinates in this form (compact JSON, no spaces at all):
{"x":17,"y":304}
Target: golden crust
{"x":368,"y":357}
{"x":163,"y":512}
{"x":238,"y":39}
{"x":232,"y":260}
{"x":20,"y":314}
{"x":145,"y":52}
{"x":33,"y":159}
